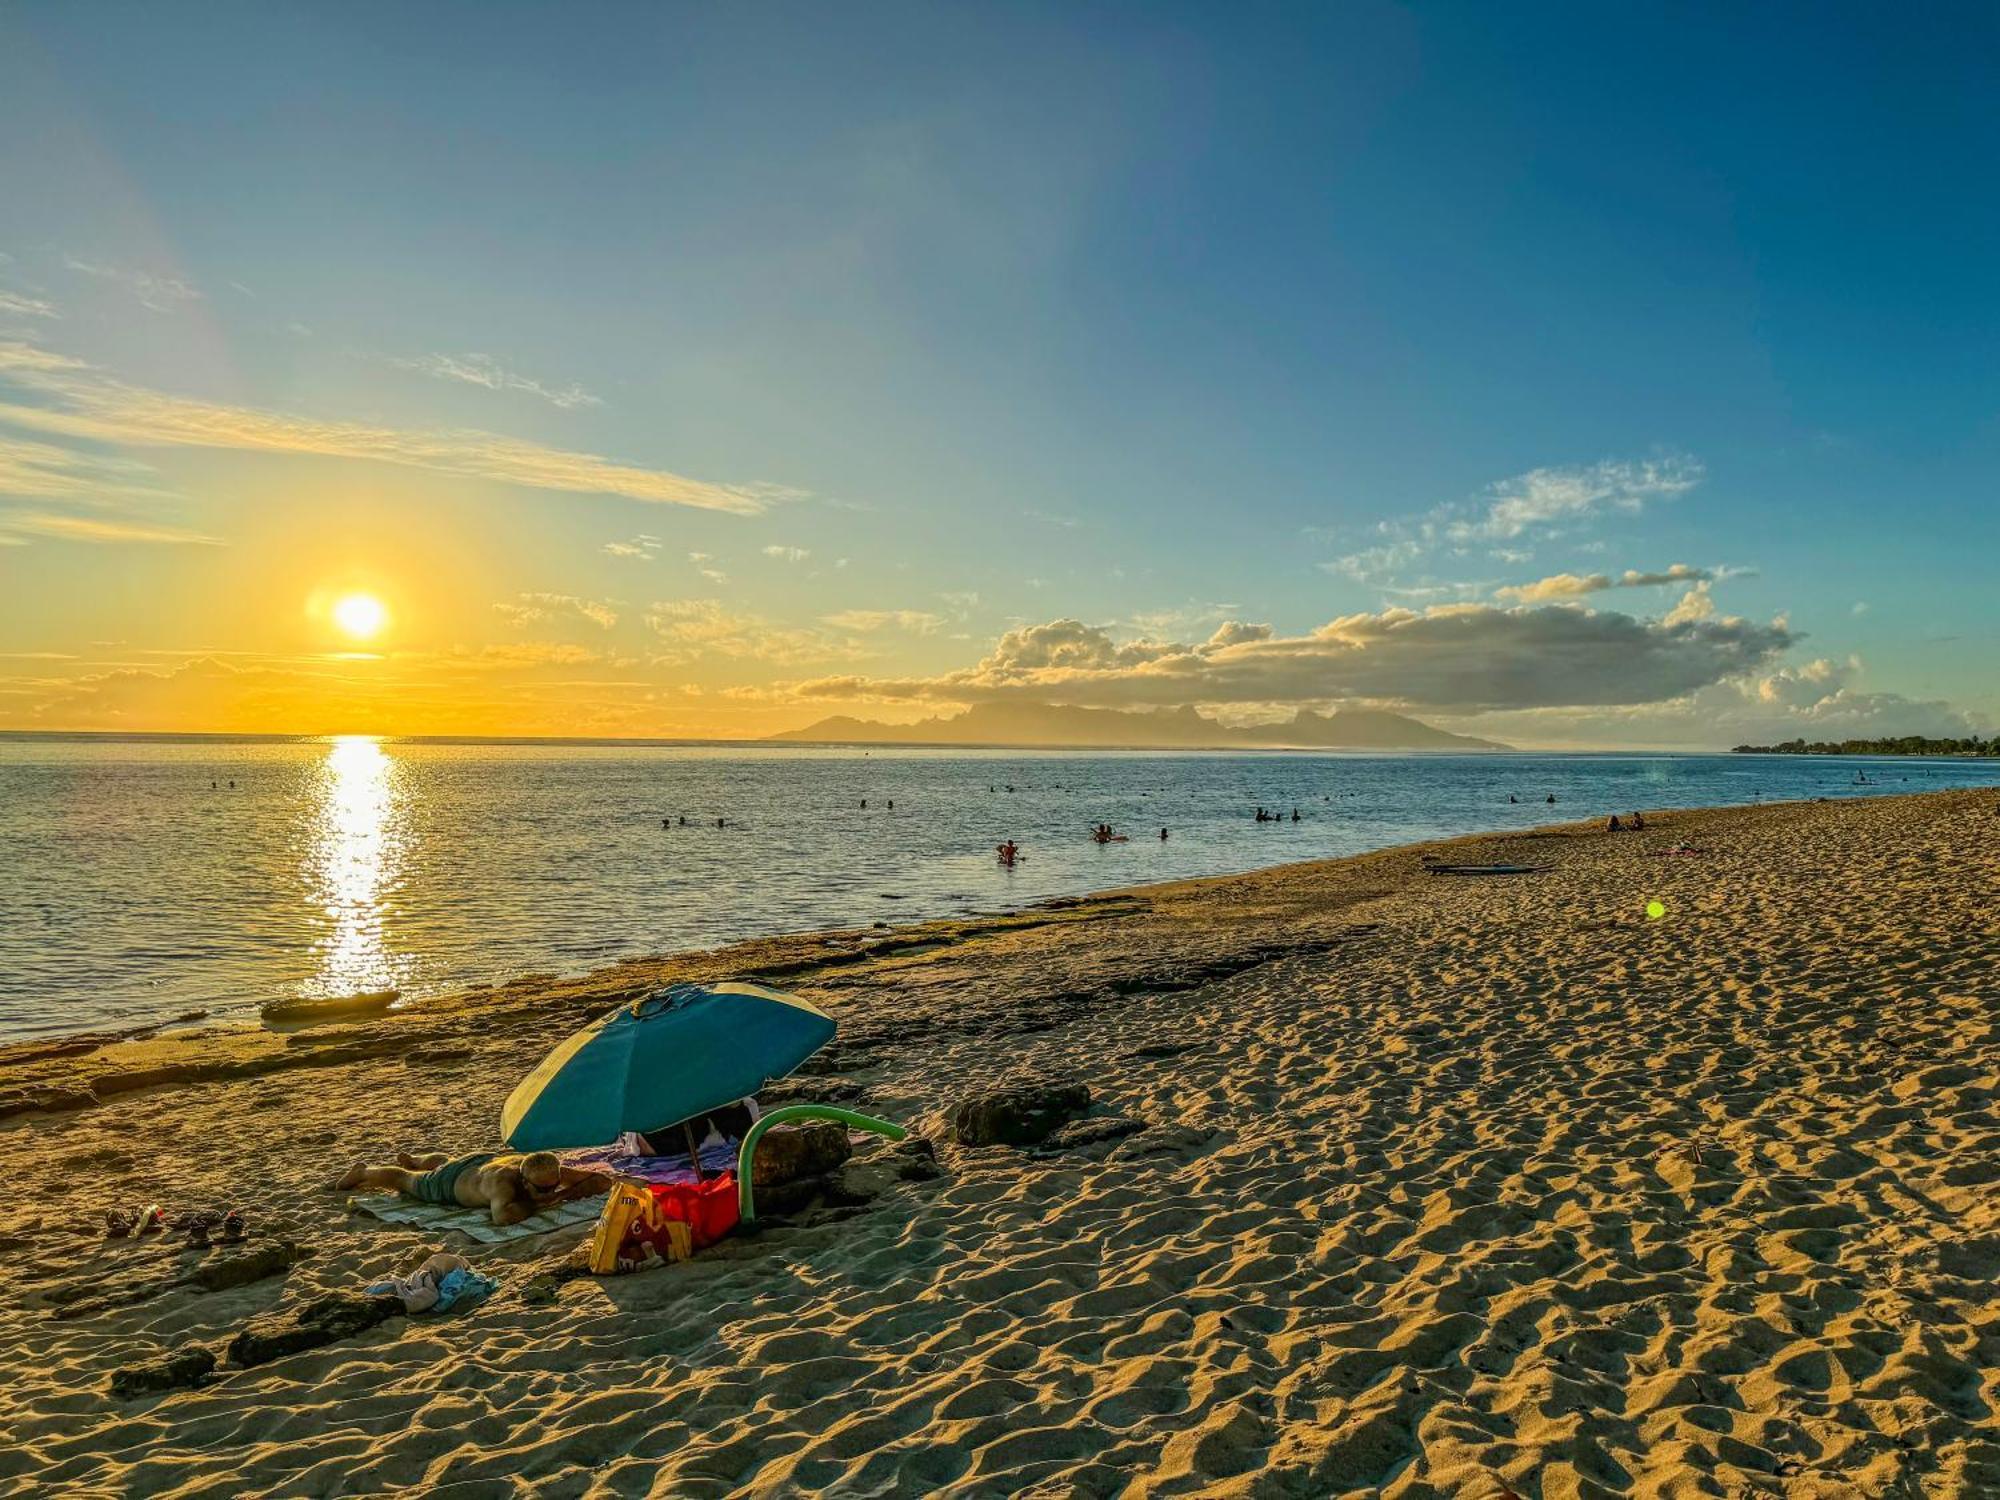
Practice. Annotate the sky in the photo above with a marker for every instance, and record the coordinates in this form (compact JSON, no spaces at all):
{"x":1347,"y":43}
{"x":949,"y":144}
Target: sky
{"x":1568,"y":375}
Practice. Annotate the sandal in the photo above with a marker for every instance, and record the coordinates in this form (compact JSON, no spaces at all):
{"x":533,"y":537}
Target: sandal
{"x":116,"y":1225}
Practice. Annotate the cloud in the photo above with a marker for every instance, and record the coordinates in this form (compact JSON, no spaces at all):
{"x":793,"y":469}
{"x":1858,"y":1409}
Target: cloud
{"x":1466,"y":658}
{"x":101,"y":529}
{"x":1819,"y":700}
{"x":1541,"y":501}
{"x":787,"y":554}
{"x":158,"y":292}
{"x":863,"y":621}
{"x":642,"y":548}
{"x":46,"y":471}
{"x":533,"y":609}
{"x":704,"y":564}
{"x":1543,"y":496}
{"x":20,"y":305}
{"x":1575,"y":586}
{"x":82,"y":402}
{"x":1694,"y":605}
{"x":484,"y":370}
{"x":694,"y":628}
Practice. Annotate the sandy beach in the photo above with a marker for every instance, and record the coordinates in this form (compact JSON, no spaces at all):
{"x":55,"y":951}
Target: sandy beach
{"x":1467,"y":1187}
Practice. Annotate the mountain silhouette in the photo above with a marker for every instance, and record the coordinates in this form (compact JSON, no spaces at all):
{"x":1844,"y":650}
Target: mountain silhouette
{"x":1057,"y":726}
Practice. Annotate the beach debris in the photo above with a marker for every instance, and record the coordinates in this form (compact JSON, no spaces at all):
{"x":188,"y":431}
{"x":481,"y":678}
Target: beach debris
{"x":326,"y":1319}
{"x":1023,"y":1115}
{"x":340,"y":1007}
{"x":189,"y":1366}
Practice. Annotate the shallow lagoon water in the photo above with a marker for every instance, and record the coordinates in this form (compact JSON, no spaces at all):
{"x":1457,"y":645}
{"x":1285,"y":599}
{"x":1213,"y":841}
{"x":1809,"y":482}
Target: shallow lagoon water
{"x":136,"y":883}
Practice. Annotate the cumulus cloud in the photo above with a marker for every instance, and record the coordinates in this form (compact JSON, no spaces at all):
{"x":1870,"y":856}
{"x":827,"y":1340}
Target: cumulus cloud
{"x":1576,"y":586}
{"x":73,"y":399}
{"x":484,"y":370}
{"x":1465,"y":658}
{"x":1694,"y":605}
{"x":1817,"y":700}
{"x":534,"y":609}
{"x":787,"y":554}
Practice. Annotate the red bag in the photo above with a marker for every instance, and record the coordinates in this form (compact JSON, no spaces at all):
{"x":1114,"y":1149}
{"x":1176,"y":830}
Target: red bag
{"x":708,"y":1210}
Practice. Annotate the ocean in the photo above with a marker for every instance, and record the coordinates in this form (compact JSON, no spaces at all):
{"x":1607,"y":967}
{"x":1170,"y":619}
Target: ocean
{"x":141,"y":879}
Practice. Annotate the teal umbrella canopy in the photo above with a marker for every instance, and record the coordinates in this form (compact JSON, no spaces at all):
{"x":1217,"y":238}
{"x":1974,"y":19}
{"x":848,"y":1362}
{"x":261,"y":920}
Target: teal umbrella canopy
{"x":673,"y":1054}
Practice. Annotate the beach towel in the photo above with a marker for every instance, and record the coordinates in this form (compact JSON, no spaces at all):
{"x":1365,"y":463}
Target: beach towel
{"x":477,"y":1223}
{"x":716,"y":1158}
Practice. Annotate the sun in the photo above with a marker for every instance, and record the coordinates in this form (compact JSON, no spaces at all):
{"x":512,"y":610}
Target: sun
{"x":360,"y":616}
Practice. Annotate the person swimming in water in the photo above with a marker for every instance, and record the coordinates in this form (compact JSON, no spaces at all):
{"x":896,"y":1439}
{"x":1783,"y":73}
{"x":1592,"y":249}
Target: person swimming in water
{"x":1163,"y":835}
{"x":1008,"y":852}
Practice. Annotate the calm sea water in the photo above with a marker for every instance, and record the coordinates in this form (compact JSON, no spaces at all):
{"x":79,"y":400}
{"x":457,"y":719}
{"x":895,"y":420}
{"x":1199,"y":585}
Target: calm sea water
{"x":138,"y":882}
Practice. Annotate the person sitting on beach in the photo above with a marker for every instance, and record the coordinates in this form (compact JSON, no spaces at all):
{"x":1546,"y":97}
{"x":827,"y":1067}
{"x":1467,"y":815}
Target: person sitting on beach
{"x":719,"y":1127}
{"x":1635,"y":822}
{"x":508,"y":1185}
{"x":1614,"y":826}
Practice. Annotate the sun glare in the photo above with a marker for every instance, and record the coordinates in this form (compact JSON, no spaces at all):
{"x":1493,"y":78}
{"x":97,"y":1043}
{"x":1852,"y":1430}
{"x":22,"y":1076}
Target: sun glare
{"x":360,"y":616}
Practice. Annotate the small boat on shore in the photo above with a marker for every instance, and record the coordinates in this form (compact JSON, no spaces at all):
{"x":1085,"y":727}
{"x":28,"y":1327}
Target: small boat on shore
{"x":1488,"y":869}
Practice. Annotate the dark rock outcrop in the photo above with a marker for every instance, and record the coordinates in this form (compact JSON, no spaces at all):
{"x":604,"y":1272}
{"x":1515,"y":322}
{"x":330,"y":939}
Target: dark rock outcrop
{"x":24,"y":1101}
{"x":786,"y":1153}
{"x":1024,"y":1115}
{"x":190,"y":1366}
{"x":324,"y":1320}
{"x":267,"y":1259}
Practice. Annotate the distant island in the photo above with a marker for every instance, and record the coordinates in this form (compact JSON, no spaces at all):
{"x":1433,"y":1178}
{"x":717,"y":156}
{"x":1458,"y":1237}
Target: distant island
{"x":1909,"y":744}
{"x":1058,"y":727}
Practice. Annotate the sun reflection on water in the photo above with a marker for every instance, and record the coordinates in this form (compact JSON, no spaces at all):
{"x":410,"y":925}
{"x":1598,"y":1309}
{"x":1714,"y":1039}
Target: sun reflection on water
{"x":352,"y":866}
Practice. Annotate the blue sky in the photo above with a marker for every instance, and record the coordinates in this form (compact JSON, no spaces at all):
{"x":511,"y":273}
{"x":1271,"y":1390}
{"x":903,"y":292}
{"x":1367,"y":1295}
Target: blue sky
{"x":1149,"y":319}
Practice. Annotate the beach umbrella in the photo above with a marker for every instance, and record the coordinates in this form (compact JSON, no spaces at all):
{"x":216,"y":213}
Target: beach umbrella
{"x":670,"y":1055}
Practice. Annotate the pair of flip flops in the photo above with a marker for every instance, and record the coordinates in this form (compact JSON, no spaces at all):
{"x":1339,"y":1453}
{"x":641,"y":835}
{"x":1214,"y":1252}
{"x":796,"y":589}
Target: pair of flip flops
{"x":203,"y":1228}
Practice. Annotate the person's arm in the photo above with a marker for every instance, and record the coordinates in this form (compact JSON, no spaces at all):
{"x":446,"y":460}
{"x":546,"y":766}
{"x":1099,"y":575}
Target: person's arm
{"x":579,"y":1182}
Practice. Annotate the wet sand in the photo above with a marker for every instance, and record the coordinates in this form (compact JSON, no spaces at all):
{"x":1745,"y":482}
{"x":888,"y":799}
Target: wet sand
{"x":1450,"y":1186}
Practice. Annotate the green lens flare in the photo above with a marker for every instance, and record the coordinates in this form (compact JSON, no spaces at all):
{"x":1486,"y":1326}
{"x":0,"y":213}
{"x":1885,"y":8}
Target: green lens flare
{"x":1655,"y":910}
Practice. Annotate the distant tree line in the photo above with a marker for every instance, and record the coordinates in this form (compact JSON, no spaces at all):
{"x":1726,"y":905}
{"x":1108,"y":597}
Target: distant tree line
{"x":1909,"y":744}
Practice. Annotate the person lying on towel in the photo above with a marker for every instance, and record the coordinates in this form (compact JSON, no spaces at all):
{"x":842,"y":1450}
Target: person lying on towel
{"x":508,"y":1185}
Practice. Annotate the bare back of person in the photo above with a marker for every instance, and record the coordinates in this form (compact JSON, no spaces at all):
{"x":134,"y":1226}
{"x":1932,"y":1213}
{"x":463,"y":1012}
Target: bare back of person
{"x":508,"y":1185}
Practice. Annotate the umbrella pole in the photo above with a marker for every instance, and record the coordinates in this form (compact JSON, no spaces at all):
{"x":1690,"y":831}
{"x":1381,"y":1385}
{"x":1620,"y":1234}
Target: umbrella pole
{"x":694,"y":1148}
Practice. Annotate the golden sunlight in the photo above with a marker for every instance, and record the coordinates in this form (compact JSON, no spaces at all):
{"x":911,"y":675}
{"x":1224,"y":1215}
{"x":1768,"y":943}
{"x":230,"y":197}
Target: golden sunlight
{"x":360,"y":616}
